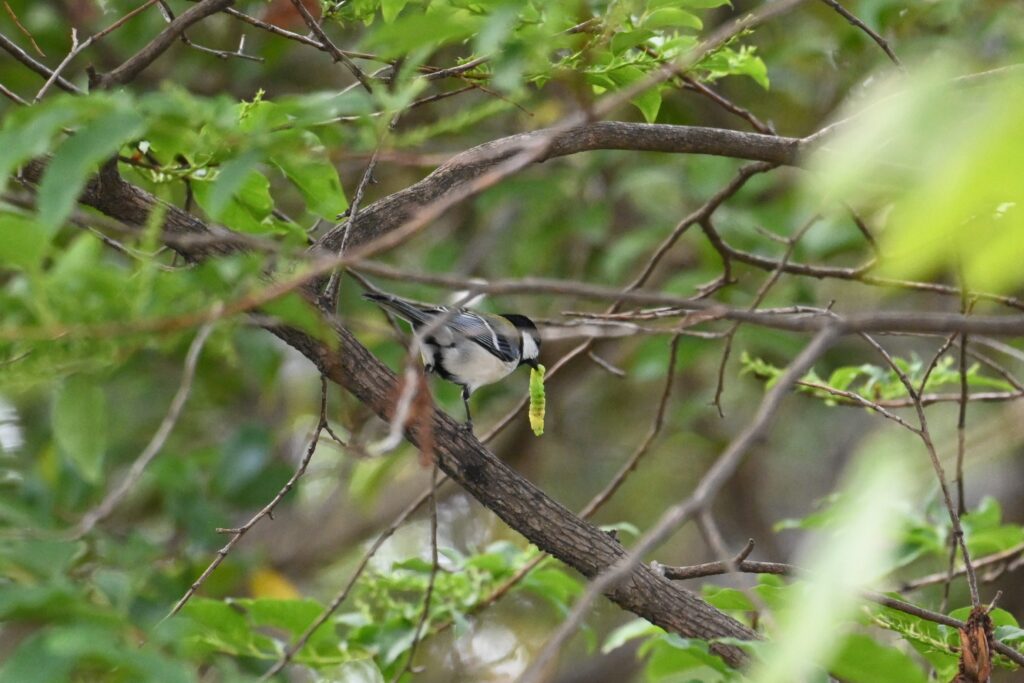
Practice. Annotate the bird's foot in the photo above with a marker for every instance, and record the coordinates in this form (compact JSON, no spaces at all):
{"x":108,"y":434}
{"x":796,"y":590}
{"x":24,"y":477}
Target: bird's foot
{"x":467,"y":427}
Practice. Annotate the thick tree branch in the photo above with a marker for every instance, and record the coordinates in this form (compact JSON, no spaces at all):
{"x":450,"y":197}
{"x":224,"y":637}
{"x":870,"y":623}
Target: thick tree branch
{"x":527,"y":509}
{"x":389,"y":213}
{"x":524,"y":507}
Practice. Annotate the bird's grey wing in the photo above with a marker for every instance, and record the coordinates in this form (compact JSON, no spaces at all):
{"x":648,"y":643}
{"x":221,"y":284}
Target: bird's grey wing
{"x":480,"y":330}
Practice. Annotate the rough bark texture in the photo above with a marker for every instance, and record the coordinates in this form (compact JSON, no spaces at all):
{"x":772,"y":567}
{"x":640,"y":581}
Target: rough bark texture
{"x":524,"y":507}
{"x":542,"y":520}
{"x":392,"y":211}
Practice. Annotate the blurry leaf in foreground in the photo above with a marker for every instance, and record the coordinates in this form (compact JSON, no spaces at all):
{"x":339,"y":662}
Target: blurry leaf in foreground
{"x":862,"y":659}
{"x":23,"y":242}
{"x":80,"y":424}
{"x":948,"y":157}
{"x":839,"y":565}
{"x":76,"y":158}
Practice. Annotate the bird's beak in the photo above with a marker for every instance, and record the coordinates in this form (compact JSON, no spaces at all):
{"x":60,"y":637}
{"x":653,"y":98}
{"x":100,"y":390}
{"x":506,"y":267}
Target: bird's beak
{"x":533,"y":363}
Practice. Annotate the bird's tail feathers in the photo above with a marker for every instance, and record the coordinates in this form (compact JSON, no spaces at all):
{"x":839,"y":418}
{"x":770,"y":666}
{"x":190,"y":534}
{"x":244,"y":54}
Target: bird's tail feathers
{"x":404,"y":309}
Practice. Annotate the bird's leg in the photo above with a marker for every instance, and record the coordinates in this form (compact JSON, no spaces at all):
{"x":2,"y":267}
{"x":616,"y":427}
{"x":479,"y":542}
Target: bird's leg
{"x":469,"y":418}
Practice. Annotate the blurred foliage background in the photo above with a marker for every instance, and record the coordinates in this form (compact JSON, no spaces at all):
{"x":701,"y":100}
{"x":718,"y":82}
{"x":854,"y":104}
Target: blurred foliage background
{"x":276,"y":148}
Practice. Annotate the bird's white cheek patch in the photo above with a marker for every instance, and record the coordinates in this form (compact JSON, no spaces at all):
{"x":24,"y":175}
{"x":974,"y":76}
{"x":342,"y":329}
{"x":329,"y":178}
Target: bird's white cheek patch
{"x":530,"y":349}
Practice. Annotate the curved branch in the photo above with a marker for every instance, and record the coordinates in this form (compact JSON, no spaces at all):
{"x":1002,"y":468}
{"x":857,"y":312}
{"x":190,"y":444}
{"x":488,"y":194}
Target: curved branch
{"x":392,"y":211}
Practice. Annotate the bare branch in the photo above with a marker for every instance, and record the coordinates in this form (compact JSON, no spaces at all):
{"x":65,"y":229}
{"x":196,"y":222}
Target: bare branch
{"x":136,"y":64}
{"x":266,"y":511}
{"x":925,"y":435}
{"x":330,"y":47}
{"x":25,"y":58}
{"x":846,"y":14}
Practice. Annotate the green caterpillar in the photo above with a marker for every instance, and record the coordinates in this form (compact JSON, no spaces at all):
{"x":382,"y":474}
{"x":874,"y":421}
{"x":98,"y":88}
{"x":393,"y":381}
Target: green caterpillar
{"x":537,"y":399}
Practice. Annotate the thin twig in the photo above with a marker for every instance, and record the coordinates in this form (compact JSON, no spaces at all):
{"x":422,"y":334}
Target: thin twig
{"x":168,"y":14}
{"x":606,"y":365}
{"x":778,"y":568}
{"x":428,"y":596}
{"x":1005,"y":557}
{"x":329,"y":298}
{"x":332,"y":49}
{"x":13,"y":96}
{"x":762,"y":292}
{"x":343,"y":594}
{"x":137,"y":63}
{"x":846,"y":14}
{"x":24,"y":31}
{"x":730,"y":106}
{"x":25,"y":58}
{"x":925,"y":435}
{"x":266,"y":511}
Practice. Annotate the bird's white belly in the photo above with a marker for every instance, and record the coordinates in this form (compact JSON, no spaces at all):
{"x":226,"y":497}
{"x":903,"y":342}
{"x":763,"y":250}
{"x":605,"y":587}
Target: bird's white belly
{"x":473,"y":366}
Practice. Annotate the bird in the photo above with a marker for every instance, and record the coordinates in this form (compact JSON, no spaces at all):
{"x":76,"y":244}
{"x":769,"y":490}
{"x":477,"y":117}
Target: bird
{"x":468,"y":348}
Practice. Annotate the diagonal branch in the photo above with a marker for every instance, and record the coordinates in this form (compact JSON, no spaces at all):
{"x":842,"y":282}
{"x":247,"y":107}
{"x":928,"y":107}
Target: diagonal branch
{"x":138,"y":62}
{"x":524,"y":507}
{"x":25,"y":58}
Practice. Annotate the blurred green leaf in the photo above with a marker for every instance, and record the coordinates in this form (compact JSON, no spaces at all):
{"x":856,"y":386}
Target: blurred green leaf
{"x":315,"y":177}
{"x":861,"y":659}
{"x":839,"y":566}
{"x":28,"y":133}
{"x":631,"y":630}
{"x":77,"y":157}
{"x":672,"y":17}
{"x":390,"y":9}
{"x":80,"y":424}
{"x":22,"y":242}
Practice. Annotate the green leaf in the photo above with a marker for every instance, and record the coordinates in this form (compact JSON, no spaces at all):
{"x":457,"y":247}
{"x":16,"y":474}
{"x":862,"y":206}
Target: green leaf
{"x":23,"y":242}
{"x":27,"y":133}
{"x":727,"y":598}
{"x":297,"y":311}
{"x":672,"y":17}
{"x":433,"y":29}
{"x":999,"y":617}
{"x":730,"y":62}
{"x":623,"y":41}
{"x":649,"y":101}
{"x":672,"y":658}
{"x":80,"y":424}
{"x":691,"y":4}
{"x":317,"y":179}
{"x":390,"y":9}
{"x":637,"y":628}
{"x":861,"y":659}
{"x":245,"y":206}
{"x":234,"y":176}
{"x":77,"y":157}
{"x":554,"y":585}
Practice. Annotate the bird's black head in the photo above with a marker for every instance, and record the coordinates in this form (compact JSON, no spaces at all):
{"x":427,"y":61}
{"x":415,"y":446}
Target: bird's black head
{"x":529,"y":349}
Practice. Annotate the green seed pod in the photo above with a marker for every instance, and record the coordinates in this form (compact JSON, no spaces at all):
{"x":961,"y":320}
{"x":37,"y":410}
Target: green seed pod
{"x":537,"y":399}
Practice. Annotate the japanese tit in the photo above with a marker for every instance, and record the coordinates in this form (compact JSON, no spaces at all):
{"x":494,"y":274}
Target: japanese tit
{"x":465,"y":347}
